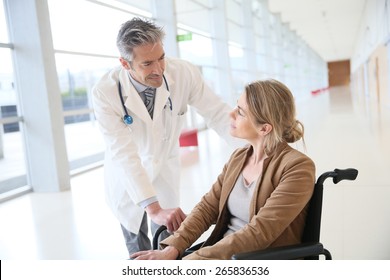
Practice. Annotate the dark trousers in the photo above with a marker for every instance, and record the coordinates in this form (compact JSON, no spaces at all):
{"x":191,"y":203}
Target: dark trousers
{"x":141,"y":241}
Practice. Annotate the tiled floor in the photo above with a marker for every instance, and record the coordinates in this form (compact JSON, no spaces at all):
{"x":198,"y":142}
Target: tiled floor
{"x":342,"y":130}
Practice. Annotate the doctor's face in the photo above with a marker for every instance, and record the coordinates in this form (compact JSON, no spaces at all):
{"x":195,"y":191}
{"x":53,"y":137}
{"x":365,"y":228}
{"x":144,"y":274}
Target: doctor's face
{"x":148,"y":64}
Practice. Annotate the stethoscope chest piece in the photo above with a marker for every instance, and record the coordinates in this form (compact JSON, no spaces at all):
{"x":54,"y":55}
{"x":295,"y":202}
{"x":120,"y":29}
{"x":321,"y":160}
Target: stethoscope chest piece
{"x":127,"y":119}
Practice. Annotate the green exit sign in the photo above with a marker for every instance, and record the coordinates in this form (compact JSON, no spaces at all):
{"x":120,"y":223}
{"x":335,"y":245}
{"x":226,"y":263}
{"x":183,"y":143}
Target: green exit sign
{"x":184,"y":37}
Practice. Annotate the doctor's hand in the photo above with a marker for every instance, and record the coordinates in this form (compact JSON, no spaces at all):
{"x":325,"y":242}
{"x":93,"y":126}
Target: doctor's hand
{"x":171,"y":218}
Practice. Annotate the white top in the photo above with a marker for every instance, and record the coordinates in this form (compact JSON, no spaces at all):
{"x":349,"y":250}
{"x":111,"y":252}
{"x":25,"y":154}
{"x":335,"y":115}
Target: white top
{"x":238,"y":204}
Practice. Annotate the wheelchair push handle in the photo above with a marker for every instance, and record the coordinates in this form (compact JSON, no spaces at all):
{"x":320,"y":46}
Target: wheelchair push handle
{"x":345,"y":174}
{"x":156,"y":235}
{"x":339,"y":175}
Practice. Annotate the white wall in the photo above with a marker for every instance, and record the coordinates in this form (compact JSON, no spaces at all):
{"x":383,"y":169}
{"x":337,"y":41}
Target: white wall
{"x":374,"y":30}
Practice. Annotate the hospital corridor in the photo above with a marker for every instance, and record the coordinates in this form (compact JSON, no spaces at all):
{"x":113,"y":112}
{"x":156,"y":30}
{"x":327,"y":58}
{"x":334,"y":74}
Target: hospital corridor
{"x":342,"y":130}
{"x":86,"y":108}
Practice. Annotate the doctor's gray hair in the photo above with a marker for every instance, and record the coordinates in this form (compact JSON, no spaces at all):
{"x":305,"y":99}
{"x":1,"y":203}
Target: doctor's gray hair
{"x":137,"y":32}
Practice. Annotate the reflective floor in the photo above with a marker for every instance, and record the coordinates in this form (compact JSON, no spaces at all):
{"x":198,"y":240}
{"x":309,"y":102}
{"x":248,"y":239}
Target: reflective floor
{"x":342,"y":131}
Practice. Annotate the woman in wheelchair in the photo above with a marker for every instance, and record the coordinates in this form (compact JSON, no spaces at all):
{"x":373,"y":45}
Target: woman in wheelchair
{"x":260,"y":199}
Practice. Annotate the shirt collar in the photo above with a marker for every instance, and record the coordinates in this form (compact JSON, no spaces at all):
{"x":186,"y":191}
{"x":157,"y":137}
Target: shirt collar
{"x":138,"y":86}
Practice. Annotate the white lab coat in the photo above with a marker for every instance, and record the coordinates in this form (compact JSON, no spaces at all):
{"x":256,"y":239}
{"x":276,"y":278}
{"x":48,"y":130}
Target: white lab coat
{"x":139,"y":161}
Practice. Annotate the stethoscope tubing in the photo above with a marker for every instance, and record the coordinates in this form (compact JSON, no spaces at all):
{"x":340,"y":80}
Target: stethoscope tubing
{"x":127,"y":119}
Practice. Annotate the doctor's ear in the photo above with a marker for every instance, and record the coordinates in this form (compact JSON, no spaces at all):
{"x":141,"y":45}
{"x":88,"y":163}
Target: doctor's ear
{"x":125,"y":64}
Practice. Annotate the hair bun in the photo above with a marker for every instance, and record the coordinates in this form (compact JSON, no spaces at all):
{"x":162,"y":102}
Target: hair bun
{"x":294,"y":132}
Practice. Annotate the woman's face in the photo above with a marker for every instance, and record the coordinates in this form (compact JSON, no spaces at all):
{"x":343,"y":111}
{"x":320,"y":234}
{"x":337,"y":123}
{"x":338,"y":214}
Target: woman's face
{"x":241,"y":125}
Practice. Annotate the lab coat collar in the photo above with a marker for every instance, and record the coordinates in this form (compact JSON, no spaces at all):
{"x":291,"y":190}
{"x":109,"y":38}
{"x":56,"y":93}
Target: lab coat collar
{"x":162,"y":95}
{"x":134,"y":102}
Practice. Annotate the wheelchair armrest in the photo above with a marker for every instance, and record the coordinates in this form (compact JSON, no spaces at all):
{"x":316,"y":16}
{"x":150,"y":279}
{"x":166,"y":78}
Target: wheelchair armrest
{"x":290,"y":252}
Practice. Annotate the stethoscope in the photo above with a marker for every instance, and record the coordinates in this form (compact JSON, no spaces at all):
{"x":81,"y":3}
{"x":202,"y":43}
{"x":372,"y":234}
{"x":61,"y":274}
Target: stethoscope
{"x":127,"y":119}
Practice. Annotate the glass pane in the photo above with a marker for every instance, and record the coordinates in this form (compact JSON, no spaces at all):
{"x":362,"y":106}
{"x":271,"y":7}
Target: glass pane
{"x":240,"y":79}
{"x":7,"y":88}
{"x":73,"y":23}
{"x":237,"y":60}
{"x":193,"y":14}
{"x":12,"y":162}
{"x":142,"y":5}
{"x":261,"y":62}
{"x":236,"y":33}
{"x":196,"y":48}
{"x":83,"y":140}
{"x":3,"y":25}
{"x":261,"y":45}
{"x":77,"y":75}
{"x":210,"y":77}
{"x":234,"y":12}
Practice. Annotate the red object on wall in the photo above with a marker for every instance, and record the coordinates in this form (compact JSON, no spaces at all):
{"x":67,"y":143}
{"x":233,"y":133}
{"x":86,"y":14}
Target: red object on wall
{"x":188,"y":138}
{"x":318,"y":91}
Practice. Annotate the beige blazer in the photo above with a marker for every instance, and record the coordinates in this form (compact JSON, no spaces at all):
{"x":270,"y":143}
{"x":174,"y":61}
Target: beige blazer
{"x":277,"y":210}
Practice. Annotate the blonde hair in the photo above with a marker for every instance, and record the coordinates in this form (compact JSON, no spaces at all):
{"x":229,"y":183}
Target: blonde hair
{"x":270,"y":101}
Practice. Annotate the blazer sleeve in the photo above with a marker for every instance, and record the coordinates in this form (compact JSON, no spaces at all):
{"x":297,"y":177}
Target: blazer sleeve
{"x":204,"y":214}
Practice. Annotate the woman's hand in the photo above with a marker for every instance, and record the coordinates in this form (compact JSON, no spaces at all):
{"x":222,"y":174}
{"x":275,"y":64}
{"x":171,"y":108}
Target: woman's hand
{"x":168,"y":253}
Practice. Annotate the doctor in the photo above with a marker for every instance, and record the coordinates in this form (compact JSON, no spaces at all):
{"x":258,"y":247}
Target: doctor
{"x":142,"y":134}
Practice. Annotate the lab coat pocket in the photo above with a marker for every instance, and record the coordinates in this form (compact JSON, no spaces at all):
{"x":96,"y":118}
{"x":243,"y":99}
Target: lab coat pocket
{"x":182,"y":111}
{"x":180,"y":120}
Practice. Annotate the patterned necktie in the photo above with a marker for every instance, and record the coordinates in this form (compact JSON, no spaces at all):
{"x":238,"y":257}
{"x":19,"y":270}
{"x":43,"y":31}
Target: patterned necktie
{"x":149,"y":100}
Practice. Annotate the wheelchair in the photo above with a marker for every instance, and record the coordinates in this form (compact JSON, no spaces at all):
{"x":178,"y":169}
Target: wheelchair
{"x":310,"y":247}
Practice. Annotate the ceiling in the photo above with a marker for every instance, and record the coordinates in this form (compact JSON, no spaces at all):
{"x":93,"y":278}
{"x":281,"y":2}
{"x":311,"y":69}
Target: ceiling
{"x":330,"y":27}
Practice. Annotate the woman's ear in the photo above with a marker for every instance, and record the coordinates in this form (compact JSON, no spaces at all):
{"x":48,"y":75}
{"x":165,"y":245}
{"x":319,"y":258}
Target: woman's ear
{"x":265,"y":129}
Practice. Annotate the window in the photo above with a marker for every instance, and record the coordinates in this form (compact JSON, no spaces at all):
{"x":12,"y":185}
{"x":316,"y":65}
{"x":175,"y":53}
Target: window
{"x":12,"y":157}
{"x":196,"y":45}
{"x":82,"y":58}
